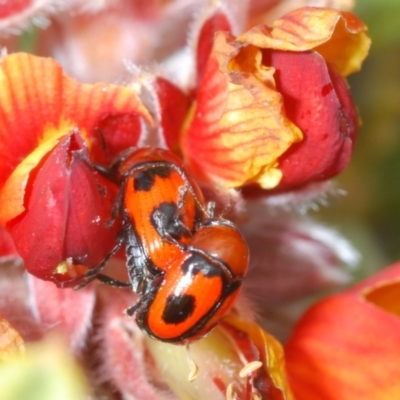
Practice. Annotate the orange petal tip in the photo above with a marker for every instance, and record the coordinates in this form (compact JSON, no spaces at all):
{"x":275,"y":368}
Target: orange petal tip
{"x":339,"y":36}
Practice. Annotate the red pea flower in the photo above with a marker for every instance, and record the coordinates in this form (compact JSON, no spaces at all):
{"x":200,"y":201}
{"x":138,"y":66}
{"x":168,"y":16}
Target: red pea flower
{"x":272,"y":106}
{"x":53,"y":202}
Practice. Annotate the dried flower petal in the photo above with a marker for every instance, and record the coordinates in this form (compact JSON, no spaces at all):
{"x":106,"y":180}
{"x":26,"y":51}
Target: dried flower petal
{"x":302,"y":47}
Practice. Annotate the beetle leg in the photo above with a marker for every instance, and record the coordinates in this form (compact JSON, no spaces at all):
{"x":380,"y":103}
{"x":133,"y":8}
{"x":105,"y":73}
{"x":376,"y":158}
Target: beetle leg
{"x":91,"y":275}
{"x":143,"y":300}
{"x":118,"y":206}
{"x":112,"y":282}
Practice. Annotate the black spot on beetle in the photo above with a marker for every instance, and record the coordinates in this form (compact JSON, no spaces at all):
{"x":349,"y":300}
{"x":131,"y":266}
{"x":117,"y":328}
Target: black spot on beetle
{"x":165,"y":221}
{"x":144,"y":180}
{"x":197,"y":263}
{"x":178,"y":308}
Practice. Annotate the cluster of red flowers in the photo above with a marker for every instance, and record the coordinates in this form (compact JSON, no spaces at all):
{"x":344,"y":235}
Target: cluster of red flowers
{"x":258,"y":116}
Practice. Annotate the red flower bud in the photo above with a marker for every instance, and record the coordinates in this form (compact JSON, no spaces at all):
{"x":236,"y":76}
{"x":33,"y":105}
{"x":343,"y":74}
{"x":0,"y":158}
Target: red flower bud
{"x":63,"y":229}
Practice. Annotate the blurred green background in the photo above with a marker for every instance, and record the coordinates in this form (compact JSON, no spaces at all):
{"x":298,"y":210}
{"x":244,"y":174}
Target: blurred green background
{"x":370,"y":213}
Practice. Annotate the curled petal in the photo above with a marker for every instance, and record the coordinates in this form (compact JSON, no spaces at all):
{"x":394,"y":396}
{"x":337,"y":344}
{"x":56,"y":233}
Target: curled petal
{"x":352,"y":341}
{"x":339,"y":36}
{"x":238,"y":127}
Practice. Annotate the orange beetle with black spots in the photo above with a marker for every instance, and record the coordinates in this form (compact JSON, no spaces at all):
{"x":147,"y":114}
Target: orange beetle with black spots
{"x":186,"y":266}
{"x":199,"y":288}
{"x":160,"y":206}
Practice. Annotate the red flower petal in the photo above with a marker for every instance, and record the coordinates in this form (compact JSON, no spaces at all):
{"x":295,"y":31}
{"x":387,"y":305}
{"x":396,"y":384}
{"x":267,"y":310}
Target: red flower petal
{"x":170,"y":105}
{"x":218,"y":21}
{"x":318,"y":101}
{"x":351,"y":342}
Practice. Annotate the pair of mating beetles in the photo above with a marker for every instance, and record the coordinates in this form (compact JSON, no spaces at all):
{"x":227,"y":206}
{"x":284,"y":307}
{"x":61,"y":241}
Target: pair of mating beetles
{"x":185,"y":264}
